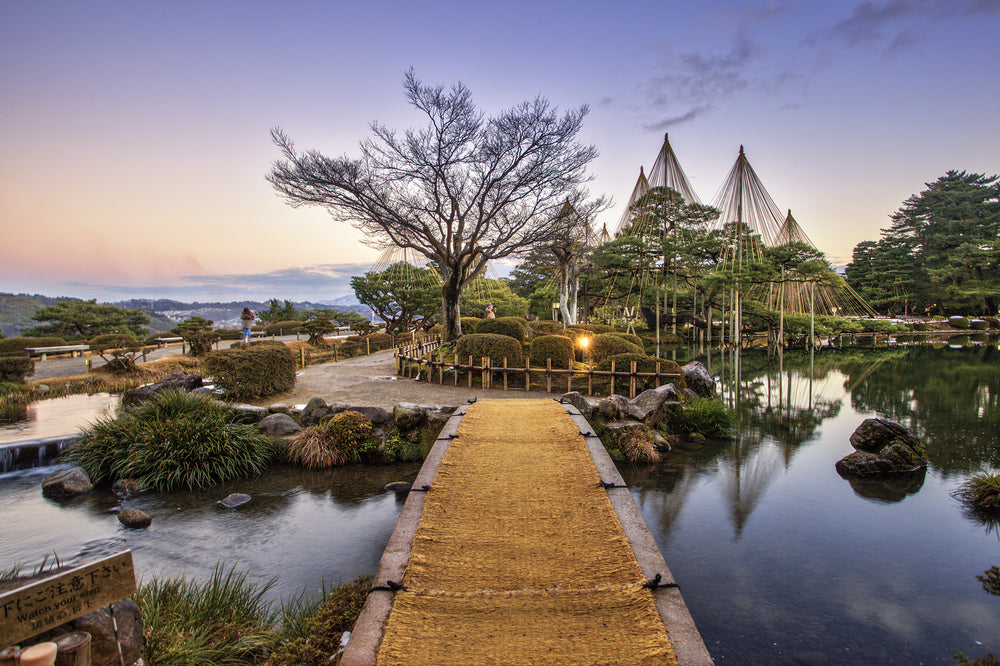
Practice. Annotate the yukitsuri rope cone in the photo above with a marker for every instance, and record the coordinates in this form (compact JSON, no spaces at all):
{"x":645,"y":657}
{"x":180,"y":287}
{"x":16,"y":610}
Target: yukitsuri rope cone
{"x":519,"y":557}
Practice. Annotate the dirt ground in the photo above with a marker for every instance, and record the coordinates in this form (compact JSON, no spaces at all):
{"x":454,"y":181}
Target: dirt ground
{"x":371,"y":381}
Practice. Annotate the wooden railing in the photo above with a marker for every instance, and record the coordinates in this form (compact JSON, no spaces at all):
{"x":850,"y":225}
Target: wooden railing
{"x":420,"y":361}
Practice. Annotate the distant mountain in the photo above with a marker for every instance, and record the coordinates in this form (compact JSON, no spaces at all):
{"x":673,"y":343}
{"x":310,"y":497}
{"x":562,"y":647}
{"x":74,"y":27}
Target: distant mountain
{"x":16,"y":311}
{"x":164,"y":313}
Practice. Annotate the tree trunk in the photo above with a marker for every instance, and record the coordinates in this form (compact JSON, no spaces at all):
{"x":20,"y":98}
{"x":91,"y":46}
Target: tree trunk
{"x":451,"y":315}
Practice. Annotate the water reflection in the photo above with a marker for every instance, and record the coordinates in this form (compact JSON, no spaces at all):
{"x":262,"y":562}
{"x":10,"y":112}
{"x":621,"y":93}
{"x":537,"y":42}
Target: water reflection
{"x":302,"y":526}
{"x":782,"y":561}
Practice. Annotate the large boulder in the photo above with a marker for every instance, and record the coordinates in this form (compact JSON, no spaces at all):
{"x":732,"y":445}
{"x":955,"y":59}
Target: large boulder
{"x":278,"y":425}
{"x":883,"y":447}
{"x":314,"y":412}
{"x":376,"y":415}
{"x":407,"y":415}
{"x":175,"y":380}
{"x":650,"y":405}
{"x":579,"y":401}
{"x":699,"y":379}
{"x":613,"y":407}
{"x":67,"y":483}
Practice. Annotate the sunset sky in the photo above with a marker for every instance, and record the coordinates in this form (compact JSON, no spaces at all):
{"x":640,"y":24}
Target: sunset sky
{"x":135,"y":136}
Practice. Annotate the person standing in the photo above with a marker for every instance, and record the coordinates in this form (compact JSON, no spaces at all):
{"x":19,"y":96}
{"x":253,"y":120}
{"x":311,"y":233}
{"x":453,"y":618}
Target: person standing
{"x":491,"y":311}
{"x":247,"y":318}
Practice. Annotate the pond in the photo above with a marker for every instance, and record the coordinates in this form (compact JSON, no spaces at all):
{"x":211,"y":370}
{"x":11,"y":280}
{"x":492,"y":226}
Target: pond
{"x":780,"y":560}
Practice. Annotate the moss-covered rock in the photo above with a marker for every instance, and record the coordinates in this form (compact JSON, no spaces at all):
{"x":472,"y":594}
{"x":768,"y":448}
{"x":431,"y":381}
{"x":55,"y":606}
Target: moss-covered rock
{"x":883,"y":447}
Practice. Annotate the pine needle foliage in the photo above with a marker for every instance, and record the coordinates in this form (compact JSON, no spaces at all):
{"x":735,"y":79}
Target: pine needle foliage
{"x":173,"y":440}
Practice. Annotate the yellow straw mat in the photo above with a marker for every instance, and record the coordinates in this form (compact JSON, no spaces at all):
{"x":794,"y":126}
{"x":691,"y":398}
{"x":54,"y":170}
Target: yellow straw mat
{"x":519,"y":557}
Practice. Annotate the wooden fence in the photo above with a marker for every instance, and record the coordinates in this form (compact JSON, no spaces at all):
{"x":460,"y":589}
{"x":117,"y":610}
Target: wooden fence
{"x":420,"y":361}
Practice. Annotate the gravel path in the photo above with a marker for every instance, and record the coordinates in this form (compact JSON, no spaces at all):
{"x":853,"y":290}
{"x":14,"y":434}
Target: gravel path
{"x":371,"y":381}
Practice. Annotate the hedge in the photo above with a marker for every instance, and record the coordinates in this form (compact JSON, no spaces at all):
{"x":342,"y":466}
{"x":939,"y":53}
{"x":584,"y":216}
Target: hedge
{"x":605,"y":345}
{"x":509,"y":326}
{"x":15,"y":368}
{"x":959,"y":322}
{"x":108,"y":341}
{"x":17,"y":345}
{"x":283,"y":327}
{"x":623,"y":363}
{"x":978,"y":325}
{"x":494,"y":345}
{"x":469,"y":324}
{"x":557,"y":347}
{"x":263,"y":369}
{"x":634,"y":339}
{"x":547,"y":327}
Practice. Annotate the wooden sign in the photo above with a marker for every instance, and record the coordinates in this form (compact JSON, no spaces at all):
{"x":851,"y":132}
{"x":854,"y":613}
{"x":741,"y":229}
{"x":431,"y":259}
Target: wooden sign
{"x":47,"y":603}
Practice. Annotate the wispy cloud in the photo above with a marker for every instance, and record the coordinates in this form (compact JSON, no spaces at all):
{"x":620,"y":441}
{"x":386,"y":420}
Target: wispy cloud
{"x":312,"y":283}
{"x":902,"y":24}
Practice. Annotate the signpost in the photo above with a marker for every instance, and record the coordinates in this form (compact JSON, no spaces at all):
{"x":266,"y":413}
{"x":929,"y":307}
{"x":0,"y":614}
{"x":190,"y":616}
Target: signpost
{"x":47,"y":603}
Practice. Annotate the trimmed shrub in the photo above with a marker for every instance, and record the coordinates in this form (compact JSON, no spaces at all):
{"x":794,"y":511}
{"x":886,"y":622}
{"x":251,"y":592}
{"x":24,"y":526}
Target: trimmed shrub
{"x":993,"y":322}
{"x":17,"y":344}
{"x":594,"y":328}
{"x":557,"y":347}
{"x":469,"y":325}
{"x":606,"y":345}
{"x":283,"y":327}
{"x":634,"y":339}
{"x":15,"y":368}
{"x":958,"y":322}
{"x":263,"y":369}
{"x":172,"y":440}
{"x":547,"y":327}
{"x":496,"y":346}
{"x":119,"y":350}
{"x":643,"y":363}
{"x":336,"y":441}
{"x":229,"y":333}
{"x":509,"y":326}
{"x":978,"y":324}
{"x":707,"y":416}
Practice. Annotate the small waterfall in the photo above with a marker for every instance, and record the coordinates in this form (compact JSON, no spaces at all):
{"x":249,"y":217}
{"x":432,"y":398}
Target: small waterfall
{"x":28,"y":453}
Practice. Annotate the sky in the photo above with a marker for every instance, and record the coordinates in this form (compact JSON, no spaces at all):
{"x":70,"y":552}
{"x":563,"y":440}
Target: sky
{"x":135,"y":137}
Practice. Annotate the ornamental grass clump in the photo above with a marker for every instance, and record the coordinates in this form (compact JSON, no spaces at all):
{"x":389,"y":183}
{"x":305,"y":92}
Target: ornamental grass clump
{"x":980,"y":493}
{"x":225,"y":620}
{"x":339,"y":440}
{"x":634,"y":446}
{"x":175,"y":439}
{"x":705,"y":416}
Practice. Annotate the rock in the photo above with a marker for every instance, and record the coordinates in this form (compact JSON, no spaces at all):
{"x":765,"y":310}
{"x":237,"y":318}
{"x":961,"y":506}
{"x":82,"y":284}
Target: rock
{"x":134,"y":518}
{"x":336,"y":408}
{"x":42,"y":389}
{"x":883,"y":447}
{"x":695,"y":437}
{"x":123,"y":487}
{"x":398,"y":486}
{"x":278,"y":425}
{"x":376,"y":415}
{"x":174,"y":381}
{"x":407,"y":415}
{"x":579,"y":401}
{"x":441,"y":410}
{"x":689,"y":395}
{"x":648,"y":406}
{"x":314,"y":412}
{"x":67,"y":483}
{"x":249,"y":413}
{"x":234,"y":500}
{"x":659,"y":441}
{"x":103,"y":645}
{"x":613,"y":407}
{"x":279,"y":408}
{"x":179,"y":380}
{"x":699,"y":379}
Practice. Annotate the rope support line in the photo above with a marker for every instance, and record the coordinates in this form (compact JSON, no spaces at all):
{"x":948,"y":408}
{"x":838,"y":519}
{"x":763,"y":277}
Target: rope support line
{"x":422,"y":489}
{"x":557,"y":590}
{"x":390,"y":586}
{"x":655,"y":583}
{"x":605,"y":484}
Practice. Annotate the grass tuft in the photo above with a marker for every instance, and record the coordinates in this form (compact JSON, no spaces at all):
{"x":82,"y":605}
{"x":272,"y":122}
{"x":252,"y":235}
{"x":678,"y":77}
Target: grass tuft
{"x":174,"y":440}
{"x":980,"y":493}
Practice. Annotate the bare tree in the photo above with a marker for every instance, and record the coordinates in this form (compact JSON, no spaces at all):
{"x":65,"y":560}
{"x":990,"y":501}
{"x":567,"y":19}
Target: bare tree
{"x":463,"y":190}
